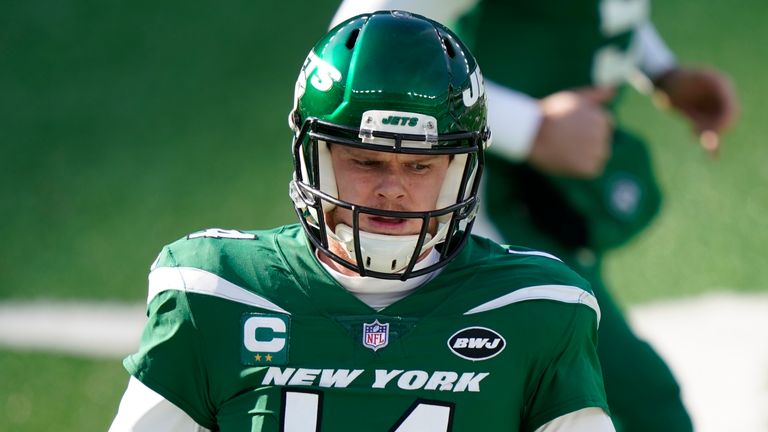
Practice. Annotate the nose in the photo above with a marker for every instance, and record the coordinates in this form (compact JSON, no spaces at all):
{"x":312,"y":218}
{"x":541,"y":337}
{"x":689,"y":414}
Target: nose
{"x":391,"y":185}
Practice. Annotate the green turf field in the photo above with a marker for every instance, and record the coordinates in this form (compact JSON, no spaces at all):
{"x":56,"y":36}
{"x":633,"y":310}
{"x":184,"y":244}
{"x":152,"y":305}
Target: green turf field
{"x":125,"y":125}
{"x":712,"y":233}
{"x":44,"y":392}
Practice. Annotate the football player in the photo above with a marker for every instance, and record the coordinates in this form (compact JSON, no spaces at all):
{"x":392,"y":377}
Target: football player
{"x":562,"y":176}
{"x":379,"y":311}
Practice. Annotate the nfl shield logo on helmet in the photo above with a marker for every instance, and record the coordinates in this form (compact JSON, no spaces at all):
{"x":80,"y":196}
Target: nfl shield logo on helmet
{"x":375,"y":335}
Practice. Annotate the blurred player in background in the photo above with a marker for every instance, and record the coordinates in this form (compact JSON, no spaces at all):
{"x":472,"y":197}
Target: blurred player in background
{"x":562,"y":176}
{"x":379,"y":311}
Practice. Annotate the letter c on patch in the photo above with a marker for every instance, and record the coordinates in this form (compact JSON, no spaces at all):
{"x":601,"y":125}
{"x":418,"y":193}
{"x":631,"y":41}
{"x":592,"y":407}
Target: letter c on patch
{"x":273,"y":344}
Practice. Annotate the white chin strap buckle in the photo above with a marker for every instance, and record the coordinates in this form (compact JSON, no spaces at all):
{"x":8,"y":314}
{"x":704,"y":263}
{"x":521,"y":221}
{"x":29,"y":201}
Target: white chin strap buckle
{"x":382,"y":253}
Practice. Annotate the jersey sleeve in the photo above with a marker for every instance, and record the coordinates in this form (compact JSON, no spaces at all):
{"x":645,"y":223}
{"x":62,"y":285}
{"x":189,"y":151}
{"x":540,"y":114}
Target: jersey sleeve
{"x":143,"y":410}
{"x":584,"y":420}
{"x":169,"y":359}
{"x":572,"y":379}
{"x":514,"y":119}
{"x":655,"y":56}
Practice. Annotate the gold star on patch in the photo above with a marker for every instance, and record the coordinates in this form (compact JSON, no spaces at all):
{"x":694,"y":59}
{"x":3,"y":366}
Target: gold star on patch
{"x":258,"y":357}
{"x":269,"y":357}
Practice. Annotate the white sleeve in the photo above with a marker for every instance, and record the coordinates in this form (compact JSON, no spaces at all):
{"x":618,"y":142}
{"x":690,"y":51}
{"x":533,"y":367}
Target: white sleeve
{"x":442,"y":11}
{"x":655,"y":56}
{"x":514,"y":119}
{"x":144,"y":410}
{"x":583,"y":420}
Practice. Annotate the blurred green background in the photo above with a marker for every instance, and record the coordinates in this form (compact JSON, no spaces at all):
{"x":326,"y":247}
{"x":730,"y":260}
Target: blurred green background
{"x":126,"y":125}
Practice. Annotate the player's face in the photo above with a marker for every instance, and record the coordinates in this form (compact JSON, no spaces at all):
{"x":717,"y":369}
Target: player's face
{"x":387,"y":181}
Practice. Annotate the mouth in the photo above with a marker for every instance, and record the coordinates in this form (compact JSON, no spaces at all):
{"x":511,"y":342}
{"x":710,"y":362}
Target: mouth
{"x":387,"y":225}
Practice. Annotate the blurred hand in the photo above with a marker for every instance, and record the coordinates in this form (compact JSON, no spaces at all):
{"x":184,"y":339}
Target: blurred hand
{"x":705,"y":97}
{"x":574,"y":137}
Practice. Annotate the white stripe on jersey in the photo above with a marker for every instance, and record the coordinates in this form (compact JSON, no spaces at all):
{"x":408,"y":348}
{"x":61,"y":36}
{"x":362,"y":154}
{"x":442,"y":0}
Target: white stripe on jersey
{"x":190,"y":279}
{"x":536,"y":253}
{"x":561,"y":293}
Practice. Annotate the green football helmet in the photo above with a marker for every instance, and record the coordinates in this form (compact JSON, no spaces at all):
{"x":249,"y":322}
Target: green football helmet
{"x":396,"y":82}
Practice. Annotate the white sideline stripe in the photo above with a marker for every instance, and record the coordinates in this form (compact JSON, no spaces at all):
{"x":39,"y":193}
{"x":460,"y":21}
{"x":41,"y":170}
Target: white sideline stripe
{"x":561,"y":293}
{"x":717,"y":347}
{"x":104,"y":330}
{"x":536,"y":253}
{"x":199,"y":281}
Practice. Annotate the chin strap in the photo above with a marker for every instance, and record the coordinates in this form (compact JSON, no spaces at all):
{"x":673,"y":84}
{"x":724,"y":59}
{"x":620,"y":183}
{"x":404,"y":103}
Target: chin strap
{"x":385,"y":253}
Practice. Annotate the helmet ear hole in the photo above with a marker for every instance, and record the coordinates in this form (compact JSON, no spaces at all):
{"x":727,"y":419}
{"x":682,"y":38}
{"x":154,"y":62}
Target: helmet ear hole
{"x":352,"y":39}
{"x":449,"y":47}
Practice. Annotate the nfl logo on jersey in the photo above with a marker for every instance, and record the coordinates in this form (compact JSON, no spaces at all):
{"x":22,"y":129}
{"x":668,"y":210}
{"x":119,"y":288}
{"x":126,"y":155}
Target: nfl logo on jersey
{"x":375,"y":335}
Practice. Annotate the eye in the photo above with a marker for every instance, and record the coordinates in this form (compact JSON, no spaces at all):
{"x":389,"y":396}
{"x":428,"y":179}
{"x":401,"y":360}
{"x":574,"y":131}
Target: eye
{"x":418,"y":167}
{"x":366,"y":163}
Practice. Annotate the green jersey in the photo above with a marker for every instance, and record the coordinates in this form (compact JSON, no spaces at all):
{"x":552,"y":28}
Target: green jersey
{"x":247,"y":331}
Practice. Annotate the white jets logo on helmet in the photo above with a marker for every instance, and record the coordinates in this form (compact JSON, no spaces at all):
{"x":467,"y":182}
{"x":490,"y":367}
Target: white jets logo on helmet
{"x":475,"y":90}
{"x":325,"y":74}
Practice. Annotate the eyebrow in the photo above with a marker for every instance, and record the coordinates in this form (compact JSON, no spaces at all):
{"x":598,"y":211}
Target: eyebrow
{"x":373,"y":154}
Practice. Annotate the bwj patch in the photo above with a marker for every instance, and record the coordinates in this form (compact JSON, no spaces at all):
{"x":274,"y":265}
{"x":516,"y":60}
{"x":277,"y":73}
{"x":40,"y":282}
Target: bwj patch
{"x":375,"y":335}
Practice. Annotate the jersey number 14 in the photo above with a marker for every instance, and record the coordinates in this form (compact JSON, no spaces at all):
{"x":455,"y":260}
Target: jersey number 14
{"x":302,"y":413}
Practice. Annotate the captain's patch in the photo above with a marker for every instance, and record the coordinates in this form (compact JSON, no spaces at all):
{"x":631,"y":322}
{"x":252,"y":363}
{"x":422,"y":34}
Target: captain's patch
{"x":265,"y":339}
